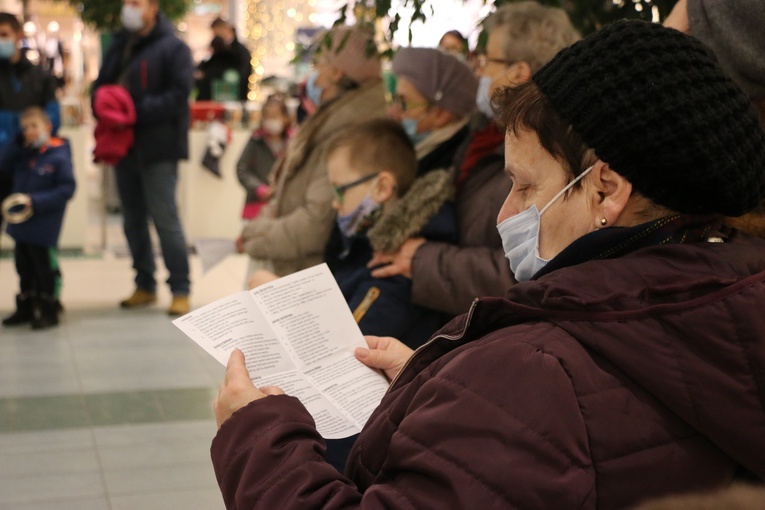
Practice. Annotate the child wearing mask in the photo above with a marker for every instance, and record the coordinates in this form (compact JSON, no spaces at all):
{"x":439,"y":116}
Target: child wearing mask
{"x":380,"y":203}
{"x":266,"y":145}
{"x":41,"y":166}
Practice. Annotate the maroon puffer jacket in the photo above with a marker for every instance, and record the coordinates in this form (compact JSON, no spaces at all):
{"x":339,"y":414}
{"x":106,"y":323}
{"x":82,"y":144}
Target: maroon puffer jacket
{"x":597,"y":386}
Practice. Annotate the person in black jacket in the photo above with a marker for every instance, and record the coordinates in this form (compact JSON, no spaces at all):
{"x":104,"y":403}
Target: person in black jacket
{"x":156,"y":68}
{"x":228,"y":53}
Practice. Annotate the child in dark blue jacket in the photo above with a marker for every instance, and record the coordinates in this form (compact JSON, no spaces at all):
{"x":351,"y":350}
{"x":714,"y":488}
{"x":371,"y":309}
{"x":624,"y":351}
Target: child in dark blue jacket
{"x":43,"y":182}
{"x":380,"y":203}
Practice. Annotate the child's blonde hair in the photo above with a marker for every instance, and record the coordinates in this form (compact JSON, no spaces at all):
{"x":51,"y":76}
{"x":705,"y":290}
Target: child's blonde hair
{"x":34,"y":111}
{"x":379,"y":145}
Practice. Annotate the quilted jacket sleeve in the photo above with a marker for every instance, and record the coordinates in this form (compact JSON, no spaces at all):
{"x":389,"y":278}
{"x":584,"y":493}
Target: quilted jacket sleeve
{"x":447,"y":277}
{"x":457,"y":436}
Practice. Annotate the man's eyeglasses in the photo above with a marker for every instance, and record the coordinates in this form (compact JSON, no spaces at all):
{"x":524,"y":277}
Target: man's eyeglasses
{"x":339,"y":191}
{"x":483,"y":61}
{"x":404,"y":105}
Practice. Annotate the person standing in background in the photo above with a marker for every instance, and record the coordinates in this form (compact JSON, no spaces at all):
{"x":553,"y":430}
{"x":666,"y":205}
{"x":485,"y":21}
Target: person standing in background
{"x":239,"y":53}
{"x":22,"y":85}
{"x":267,"y":144}
{"x":44,"y":180}
{"x":156,"y":68}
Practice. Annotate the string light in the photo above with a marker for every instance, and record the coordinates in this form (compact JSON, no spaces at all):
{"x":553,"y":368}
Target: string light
{"x":269,"y":27}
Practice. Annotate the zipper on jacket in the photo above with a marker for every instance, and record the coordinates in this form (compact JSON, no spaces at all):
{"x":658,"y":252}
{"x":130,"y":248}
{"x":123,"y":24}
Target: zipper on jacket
{"x":458,"y":336}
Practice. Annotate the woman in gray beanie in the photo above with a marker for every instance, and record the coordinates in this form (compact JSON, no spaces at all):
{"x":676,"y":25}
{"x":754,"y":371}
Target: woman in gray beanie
{"x":626,"y":364}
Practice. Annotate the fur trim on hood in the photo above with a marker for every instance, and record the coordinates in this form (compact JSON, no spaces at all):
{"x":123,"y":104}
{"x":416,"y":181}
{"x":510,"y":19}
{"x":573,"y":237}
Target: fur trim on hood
{"x":412,"y":212}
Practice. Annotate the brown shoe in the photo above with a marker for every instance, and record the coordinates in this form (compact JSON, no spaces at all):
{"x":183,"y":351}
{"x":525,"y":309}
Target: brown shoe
{"x":179,"y":306}
{"x":139,"y":298}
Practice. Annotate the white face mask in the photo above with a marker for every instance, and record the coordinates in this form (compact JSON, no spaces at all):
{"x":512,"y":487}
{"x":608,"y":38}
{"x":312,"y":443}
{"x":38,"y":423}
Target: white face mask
{"x":132,"y":18}
{"x":520,"y":237}
{"x":482,"y":98}
{"x":273,"y":126}
{"x":41,"y":140}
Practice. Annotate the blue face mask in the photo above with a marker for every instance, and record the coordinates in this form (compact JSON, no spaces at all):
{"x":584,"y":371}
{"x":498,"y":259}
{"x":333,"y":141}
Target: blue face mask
{"x":410,"y":126}
{"x":520,"y":237}
{"x":366,"y":213}
{"x":482,"y":98}
{"x":312,"y":90}
{"x":7,"y":48}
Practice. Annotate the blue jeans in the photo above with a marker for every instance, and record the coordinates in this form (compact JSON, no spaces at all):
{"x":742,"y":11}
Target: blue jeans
{"x":148,"y":191}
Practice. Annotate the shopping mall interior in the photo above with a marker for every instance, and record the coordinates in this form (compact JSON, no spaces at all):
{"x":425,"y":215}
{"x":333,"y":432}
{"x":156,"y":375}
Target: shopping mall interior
{"x":112,"y":409}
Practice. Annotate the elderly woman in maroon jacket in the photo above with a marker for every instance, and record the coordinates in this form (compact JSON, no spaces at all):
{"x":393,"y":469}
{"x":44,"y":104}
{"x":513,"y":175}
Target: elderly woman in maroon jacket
{"x":627,"y":364}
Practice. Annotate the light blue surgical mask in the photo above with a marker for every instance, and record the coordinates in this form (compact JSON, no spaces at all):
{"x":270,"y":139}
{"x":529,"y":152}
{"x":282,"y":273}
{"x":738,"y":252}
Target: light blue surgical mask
{"x":312,"y":90}
{"x":520,"y":237}
{"x":482,"y":98}
{"x":410,"y":126}
{"x":131,"y":18}
{"x":349,"y":224}
{"x":7,"y":48}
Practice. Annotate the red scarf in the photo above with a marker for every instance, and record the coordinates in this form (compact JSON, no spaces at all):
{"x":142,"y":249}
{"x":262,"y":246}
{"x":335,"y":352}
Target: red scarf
{"x":483,"y":143}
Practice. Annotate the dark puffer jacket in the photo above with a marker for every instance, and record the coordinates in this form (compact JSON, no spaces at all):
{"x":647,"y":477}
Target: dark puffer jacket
{"x":45,"y":175}
{"x":597,"y":386}
{"x":158,"y":75}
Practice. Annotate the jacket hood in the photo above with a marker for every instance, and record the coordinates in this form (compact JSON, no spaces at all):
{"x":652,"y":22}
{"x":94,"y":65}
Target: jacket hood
{"x":682,"y":321}
{"x":57,"y":145}
{"x":412,"y":212}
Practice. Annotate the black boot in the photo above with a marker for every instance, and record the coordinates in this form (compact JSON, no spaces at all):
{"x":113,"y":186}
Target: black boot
{"x":23,"y":313}
{"x":45,"y":313}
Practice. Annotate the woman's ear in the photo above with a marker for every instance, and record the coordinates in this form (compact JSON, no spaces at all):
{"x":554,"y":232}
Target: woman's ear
{"x":610,"y":195}
{"x":384,"y":188}
{"x":521,"y":72}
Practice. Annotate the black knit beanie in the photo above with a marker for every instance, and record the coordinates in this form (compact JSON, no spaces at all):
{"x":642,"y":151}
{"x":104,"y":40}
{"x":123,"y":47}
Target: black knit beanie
{"x":658,"y":108}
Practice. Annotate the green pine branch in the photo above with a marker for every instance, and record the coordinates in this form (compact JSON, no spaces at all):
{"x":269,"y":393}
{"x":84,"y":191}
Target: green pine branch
{"x":104,"y":15}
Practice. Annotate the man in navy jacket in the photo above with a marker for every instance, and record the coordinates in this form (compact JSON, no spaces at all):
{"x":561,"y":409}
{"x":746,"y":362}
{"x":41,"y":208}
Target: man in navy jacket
{"x":156,"y":68}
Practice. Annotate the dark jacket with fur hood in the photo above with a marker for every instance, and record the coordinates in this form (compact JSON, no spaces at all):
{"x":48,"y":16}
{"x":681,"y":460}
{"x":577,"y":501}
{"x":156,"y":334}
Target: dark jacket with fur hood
{"x":425,"y":210}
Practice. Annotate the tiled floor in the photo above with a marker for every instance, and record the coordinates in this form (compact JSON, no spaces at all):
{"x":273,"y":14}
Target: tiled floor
{"x":112,"y":409}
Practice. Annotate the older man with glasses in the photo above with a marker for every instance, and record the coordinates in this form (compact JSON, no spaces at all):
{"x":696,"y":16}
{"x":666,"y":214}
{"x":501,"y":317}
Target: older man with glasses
{"x":523,"y":36}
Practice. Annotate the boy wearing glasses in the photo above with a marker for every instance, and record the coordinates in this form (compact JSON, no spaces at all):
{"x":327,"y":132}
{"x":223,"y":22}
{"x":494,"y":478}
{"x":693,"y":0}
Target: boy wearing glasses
{"x":380,"y":202}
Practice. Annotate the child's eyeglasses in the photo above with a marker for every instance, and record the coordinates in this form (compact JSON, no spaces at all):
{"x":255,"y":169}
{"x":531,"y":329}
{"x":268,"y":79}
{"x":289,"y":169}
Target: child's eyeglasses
{"x":339,"y":191}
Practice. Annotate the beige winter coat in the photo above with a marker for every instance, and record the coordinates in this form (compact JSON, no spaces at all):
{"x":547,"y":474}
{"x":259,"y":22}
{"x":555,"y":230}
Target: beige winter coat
{"x":293,"y":229}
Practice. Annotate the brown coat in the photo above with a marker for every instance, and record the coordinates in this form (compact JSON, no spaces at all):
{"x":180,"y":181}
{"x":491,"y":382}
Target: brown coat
{"x":448,"y":277}
{"x":293,"y":229}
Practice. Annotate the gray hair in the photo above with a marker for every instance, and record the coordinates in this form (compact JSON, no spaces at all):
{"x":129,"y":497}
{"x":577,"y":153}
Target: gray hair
{"x":536,"y":32}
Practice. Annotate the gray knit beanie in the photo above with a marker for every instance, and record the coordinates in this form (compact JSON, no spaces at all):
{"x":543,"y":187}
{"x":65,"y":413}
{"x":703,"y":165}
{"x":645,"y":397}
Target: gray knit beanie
{"x":443,"y":79}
